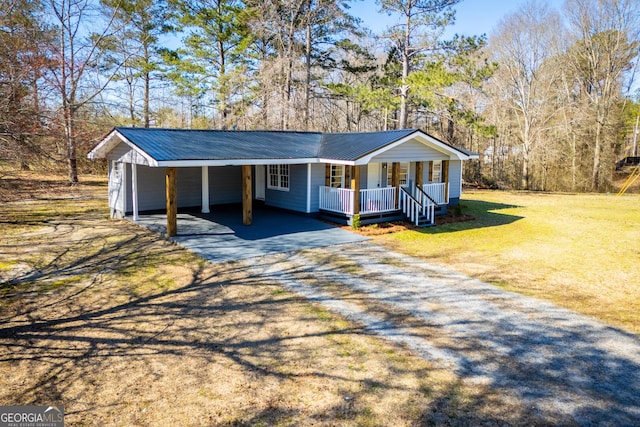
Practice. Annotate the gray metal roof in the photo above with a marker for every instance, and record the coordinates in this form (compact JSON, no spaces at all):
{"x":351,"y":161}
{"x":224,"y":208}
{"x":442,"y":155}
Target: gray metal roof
{"x":167,"y":145}
{"x":352,"y":146}
{"x":188,"y":144}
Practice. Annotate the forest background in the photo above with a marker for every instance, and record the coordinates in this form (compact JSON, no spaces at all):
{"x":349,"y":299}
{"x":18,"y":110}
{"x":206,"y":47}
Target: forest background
{"x":548,"y":99}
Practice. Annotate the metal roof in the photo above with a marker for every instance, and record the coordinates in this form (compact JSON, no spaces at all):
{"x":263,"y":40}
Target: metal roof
{"x":189,"y":145}
{"x":352,"y":146}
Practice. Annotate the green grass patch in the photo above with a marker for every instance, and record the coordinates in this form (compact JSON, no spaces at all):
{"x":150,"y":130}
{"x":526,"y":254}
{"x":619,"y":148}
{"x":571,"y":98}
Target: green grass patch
{"x":579,"y":251}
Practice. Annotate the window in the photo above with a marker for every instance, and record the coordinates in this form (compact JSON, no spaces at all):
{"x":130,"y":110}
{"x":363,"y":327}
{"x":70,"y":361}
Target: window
{"x":278,"y":177}
{"x":404,"y":173}
{"x":436,"y":171}
{"x":337,"y":176}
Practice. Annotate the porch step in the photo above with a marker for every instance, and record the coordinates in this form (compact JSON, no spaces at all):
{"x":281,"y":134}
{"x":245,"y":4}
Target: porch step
{"x":424,"y":222}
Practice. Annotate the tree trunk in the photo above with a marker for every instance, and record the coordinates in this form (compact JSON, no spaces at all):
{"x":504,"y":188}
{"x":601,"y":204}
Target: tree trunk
{"x":287,"y":94}
{"x":71,"y":143}
{"x":223,"y":88}
{"x":307,"y":93}
{"x":404,"y":87}
{"x":147,"y":78}
{"x":597,"y":149}
{"x":132,"y":101}
{"x":525,"y":170}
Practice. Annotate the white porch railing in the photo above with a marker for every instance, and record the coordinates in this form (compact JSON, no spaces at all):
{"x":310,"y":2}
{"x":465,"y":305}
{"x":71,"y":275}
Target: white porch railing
{"x":378,"y":200}
{"x":409,"y":206}
{"x":428,"y":207}
{"x":375,"y":200}
{"x":338,"y":200}
{"x":411,"y":201}
{"x":437,"y":191}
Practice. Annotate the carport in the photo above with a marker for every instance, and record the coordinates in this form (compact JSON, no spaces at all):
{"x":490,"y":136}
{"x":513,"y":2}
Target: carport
{"x":220,"y":236}
{"x":380,"y":175}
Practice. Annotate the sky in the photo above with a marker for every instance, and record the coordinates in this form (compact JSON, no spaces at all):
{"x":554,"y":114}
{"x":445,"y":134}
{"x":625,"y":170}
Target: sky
{"x":473,"y":17}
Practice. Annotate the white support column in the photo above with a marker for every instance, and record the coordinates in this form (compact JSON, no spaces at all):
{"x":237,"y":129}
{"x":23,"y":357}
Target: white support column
{"x":308,"y":187}
{"x":205,"y":189}
{"x":134,"y":190}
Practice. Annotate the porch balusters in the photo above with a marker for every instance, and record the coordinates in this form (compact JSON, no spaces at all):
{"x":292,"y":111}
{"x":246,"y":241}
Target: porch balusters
{"x":437,"y":191}
{"x":374,"y":200}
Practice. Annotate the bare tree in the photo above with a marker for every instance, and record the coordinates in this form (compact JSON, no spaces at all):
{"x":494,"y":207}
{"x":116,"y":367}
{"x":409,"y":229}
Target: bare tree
{"x":76,"y":55}
{"x":523,"y":45}
{"x":607,"y":34}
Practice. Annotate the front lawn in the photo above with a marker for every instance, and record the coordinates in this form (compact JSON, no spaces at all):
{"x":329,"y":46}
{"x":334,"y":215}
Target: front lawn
{"x":580,"y":251}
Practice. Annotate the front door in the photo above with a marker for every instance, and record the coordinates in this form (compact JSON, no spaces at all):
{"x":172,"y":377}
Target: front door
{"x":261,"y":173}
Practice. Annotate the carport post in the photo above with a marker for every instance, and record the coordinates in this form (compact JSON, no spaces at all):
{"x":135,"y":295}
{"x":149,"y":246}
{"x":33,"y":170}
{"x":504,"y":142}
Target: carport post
{"x":247,"y":209}
{"x":134,"y":190}
{"x":172,"y":203}
{"x":205,"y":189}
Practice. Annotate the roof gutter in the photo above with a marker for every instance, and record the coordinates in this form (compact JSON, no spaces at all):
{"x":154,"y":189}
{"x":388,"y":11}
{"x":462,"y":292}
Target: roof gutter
{"x":252,"y":162}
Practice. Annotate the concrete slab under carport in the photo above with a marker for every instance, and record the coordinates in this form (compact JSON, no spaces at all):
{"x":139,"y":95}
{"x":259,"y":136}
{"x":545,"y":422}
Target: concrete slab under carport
{"x":220,"y":236}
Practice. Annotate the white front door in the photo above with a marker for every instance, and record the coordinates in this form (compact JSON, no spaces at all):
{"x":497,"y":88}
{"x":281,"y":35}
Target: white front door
{"x":373,"y":175}
{"x":261,"y":173}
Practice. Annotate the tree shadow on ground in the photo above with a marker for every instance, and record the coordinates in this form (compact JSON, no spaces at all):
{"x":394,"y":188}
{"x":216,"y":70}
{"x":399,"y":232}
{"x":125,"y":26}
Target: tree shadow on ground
{"x":486,"y":214}
{"x":220,"y":342}
{"x":568,"y":368}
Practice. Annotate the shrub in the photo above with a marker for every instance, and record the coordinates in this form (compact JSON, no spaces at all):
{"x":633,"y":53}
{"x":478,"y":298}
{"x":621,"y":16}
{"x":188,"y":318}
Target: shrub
{"x":355,"y":222}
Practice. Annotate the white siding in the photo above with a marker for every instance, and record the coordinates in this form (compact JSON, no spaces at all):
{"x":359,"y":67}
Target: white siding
{"x":225,"y":184}
{"x":189,"y":187}
{"x":296,"y":198}
{"x":455,"y":179}
{"x":124,"y":153}
{"x":410,"y":151}
{"x":151,"y":188}
{"x":317,"y":180}
{"x":224,"y":187}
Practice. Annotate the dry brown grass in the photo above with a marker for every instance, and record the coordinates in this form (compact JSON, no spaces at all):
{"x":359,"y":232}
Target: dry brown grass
{"x":125,"y":328}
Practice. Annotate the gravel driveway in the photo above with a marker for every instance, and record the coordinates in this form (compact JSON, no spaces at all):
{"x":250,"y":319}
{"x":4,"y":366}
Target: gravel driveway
{"x":568,"y":368}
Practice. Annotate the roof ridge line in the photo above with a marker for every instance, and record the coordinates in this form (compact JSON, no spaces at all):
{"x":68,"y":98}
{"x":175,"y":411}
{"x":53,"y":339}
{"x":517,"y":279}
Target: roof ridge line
{"x":220,"y":130}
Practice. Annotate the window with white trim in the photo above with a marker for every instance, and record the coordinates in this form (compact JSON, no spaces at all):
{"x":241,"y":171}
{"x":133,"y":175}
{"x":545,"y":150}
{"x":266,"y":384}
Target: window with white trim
{"x":278,"y":177}
{"x":436,"y":171}
{"x":337,"y":176}
{"x":404,"y":173}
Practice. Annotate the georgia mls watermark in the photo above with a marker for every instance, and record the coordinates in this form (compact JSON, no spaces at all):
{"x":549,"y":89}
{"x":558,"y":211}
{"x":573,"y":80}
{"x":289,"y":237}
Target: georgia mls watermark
{"x":31,"y":416}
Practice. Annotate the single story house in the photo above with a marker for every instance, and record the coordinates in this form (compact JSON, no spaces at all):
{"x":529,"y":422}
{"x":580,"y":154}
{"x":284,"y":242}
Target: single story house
{"x":377,"y":176}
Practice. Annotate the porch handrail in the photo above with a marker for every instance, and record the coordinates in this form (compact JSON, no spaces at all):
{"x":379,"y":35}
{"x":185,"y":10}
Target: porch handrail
{"x":428,"y":207}
{"x":437,"y":191}
{"x":410,"y":206}
{"x":421,"y":191}
{"x":377,"y":200}
{"x":338,"y":200}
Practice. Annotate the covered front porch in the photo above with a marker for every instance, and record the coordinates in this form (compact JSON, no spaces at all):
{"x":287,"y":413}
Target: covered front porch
{"x":411,"y":190}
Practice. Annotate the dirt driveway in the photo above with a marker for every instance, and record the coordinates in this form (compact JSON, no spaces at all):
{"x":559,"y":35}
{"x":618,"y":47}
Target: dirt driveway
{"x":564,"y":366}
